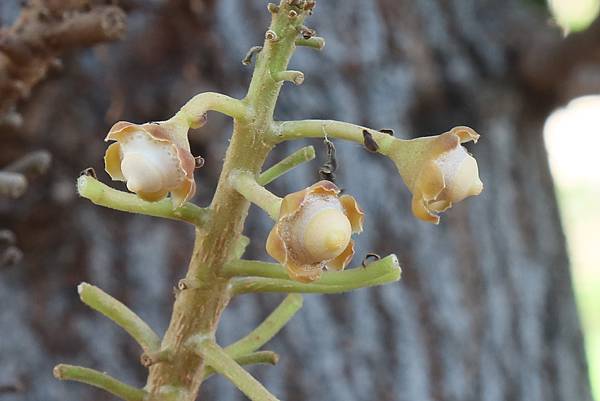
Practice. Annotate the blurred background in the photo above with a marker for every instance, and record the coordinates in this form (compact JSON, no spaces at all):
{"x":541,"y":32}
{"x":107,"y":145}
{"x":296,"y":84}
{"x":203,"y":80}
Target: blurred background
{"x":499,"y":302}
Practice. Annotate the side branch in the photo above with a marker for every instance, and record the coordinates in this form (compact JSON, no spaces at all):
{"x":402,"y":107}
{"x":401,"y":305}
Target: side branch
{"x":100,"y":380}
{"x":289,"y":130}
{"x":222,"y":363}
{"x":315,"y":42}
{"x":195,"y":109}
{"x":270,"y":277}
{"x":254,"y":358}
{"x":245,"y":183}
{"x":103,"y":195}
{"x":268,"y":328}
{"x":116,"y":311}
{"x":300,"y":156}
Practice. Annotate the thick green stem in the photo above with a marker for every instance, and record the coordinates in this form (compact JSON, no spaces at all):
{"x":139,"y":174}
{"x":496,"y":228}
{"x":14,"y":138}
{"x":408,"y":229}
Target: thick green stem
{"x":245,"y":183}
{"x":103,"y":195}
{"x":100,"y":301}
{"x":268,"y":328}
{"x":254,"y":358}
{"x":197,"y":309}
{"x":300,"y":156}
{"x":271,"y":277}
{"x":100,"y":380}
{"x":222,"y":363}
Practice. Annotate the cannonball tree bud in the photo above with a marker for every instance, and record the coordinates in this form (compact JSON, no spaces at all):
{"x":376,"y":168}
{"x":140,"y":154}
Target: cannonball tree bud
{"x":153,"y":159}
{"x":313,"y":231}
{"x":438,"y":170}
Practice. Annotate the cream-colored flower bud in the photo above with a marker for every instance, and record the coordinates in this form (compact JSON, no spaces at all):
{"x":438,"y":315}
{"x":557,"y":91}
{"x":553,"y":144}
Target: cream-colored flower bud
{"x":438,"y":170}
{"x":313,"y":231}
{"x":327,"y":234}
{"x":461,"y":174}
{"x":153,"y":159}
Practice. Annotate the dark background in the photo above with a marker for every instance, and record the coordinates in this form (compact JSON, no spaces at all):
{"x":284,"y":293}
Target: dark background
{"x":485,"y":308}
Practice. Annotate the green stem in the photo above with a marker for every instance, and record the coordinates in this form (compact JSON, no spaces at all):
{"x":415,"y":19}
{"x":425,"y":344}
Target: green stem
{"x":255,"y":358}
{"x":116,"y":311}
{"x":222,"y":363}
{"x":288,"y":130}
{"x":103,"y":195}
{"x":315,"y":42}
{"x":270,"y":277}
{"x":300,"y":156}
{"x":245,"y":183}
{"x":268,"y":328}
{"x":295,"y":77}
{"x":100,"y":380}
{"x":195,"y":109}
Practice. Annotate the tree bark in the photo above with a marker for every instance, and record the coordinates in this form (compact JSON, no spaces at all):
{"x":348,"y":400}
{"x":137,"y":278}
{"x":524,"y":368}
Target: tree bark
{"x":485,"y":309}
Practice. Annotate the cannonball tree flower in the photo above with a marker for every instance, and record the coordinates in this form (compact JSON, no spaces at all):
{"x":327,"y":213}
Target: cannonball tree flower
{"x":313,"y":231}
{"x":438,"y":170}
{"x":153,"y":159}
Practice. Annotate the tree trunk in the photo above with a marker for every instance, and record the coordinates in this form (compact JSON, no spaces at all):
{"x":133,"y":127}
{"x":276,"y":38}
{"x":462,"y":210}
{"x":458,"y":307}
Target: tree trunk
{"x":485,"y":308}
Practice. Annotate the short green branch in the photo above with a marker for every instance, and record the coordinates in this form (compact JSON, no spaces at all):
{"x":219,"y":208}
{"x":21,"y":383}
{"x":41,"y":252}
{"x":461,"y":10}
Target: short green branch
{"x":300,"y":156}
{"x":296,"y":77}
{"x":254,"y":358}
{"x":100,"y":380}
{"x":222,"y":363}
{"x":116,"y":311}
{"x":288,"y":130}
{"x":268,"y":328}
{"x":271,"y":277}
{"x":195,"y":109}
{"x":103,"y":195}
{"x":315,"y":42}
{"x":245,"y":183}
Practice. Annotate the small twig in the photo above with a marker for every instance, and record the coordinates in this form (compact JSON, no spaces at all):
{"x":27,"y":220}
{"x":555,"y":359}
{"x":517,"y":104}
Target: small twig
{"x":100,"y":380}
{"x":296,"y":77}
{"x":116,"y":311}
{"x":300,"y":156}
{"x":148,"y":359}
{"x":268,"y":328}
{"x":222,"y":363}
{"x":255,"y":358}
{"x":246,"y":185}
{"x":103,"y":195}
{"x":316,"y":42}
{"x":248,"y":57}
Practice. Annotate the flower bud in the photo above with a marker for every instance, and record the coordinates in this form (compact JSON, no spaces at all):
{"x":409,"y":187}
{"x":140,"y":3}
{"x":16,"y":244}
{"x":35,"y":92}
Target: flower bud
{"x":438,"y":170}
{"x":153,"y":159}
{"x":313,"y":231}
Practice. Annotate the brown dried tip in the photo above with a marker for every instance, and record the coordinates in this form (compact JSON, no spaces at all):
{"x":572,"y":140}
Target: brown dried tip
{"x":369,"y":142}
{"x":89,"y":172}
